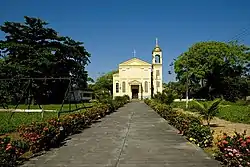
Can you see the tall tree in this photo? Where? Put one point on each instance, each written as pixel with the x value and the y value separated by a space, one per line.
pixel 177 87
pixel 105 82
pixel 33 50
pixel 210 63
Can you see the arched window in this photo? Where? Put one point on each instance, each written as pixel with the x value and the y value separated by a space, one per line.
pixel 157 59
pixel 123 87
pixel 146 86
pixel 117 87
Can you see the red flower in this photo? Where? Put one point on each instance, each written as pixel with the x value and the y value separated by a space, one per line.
pixel 8 147
pixel 225 142
pixel 45 128
pixel 248 140
pixel 243 144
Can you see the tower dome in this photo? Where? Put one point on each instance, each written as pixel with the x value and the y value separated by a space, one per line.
pixel 157 47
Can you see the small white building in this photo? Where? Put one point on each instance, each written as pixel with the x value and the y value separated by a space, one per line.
pixel 80 95
pixel 139 79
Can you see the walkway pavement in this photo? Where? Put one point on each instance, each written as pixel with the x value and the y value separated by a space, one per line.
pixel 135 136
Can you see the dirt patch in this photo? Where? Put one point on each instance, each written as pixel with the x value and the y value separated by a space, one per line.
pixel 221 126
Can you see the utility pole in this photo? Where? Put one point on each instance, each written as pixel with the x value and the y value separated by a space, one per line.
pixel 187 92
pixel 187 83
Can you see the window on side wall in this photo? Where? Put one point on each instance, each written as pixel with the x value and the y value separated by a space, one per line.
pixel 117 87
pixel 158 83
pixel 146 86
pixel 157 72
pixel 123 87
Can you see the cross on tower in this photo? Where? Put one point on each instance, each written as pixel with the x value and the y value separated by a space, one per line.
pixel 134 53
pixel 156 41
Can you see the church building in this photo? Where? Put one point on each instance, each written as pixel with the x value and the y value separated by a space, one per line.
pixel 139 79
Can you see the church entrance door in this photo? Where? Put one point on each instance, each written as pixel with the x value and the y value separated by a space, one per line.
pixel 135 91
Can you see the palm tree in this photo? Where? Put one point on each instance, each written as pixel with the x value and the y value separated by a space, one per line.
pixel 208 110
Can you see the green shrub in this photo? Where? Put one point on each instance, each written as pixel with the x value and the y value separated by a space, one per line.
pixel 182 105
pixel 208 110
pixel 187 124
pixel 200 135
pixel 164 97
pixel 10 151
pixel 45 135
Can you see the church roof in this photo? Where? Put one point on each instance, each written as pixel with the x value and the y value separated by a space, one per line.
pixel 134 61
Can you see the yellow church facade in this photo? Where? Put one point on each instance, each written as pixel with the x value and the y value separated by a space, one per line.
pixel 139 79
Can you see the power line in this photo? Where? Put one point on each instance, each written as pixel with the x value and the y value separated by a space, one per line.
pixel 243 33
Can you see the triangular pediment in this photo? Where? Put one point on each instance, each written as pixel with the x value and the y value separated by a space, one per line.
pixel 134 82
pixel 134 62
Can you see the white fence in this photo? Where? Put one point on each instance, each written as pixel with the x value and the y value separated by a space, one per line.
pixel 183 100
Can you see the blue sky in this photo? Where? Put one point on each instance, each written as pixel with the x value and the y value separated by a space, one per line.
pixel 111 29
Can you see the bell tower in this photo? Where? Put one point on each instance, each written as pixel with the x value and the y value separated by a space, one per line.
pixel 156 76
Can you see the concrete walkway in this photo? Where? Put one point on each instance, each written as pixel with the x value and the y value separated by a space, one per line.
pixel 135 136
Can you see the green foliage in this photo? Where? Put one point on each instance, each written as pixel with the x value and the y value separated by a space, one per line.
pixel 113 105
pixel 104 84
pixel 10 124
pixel 177 88
pixel 11 150
pixel 215 69
pixel 200 135
pixel 166 97
pixel 32 50
pixel 187 124
pixel 208 110
pixel 234 111
pixel 50 133
pixel 234 150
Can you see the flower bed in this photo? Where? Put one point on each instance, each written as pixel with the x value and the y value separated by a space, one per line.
pixel 41 136
pixel 187 124
pixel 234 150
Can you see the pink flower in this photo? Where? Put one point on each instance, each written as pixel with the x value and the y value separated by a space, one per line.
pixel 243 144
pixel 228 149
pixel 237 155
pixel 235 151
pixel 8 147
pixel 225 142
pixel 231 154
pixel 45 128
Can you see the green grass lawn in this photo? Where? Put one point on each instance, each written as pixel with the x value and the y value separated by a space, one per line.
pixel 9 125
pixel 234 112
pixel 47 107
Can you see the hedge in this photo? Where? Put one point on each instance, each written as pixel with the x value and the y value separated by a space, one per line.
pixel 42 136
pixel 188 125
